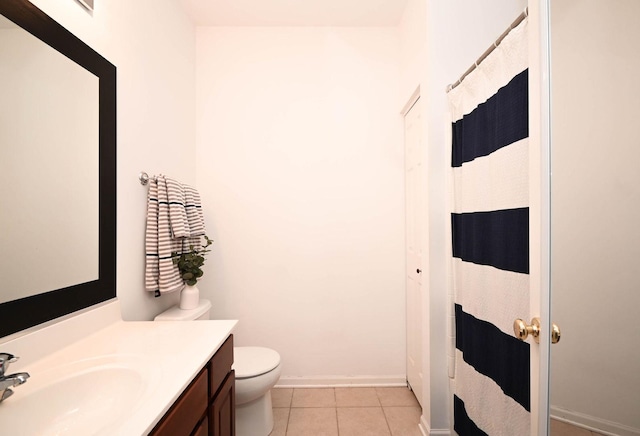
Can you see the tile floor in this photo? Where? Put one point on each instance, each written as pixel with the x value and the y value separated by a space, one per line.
pixel 559 428
pixel 345 411
pixel 359 412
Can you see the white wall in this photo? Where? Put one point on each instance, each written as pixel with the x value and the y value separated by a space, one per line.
pixel 300 163
pixel 458 32
pixel 595 213
pixel 413 47
pixel 153 46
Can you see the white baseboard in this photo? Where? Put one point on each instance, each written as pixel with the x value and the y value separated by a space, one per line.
pixel 440 432
pixel 423 430
pixel 592 423
pixel 340 381
pixel 427 431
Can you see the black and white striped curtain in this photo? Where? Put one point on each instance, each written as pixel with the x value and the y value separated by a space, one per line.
pixel 490 242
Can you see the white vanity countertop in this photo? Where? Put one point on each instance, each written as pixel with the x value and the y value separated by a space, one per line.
pixel 134 373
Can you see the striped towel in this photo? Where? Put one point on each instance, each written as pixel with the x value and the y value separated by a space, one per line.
pixel 195 219
pixel 174 223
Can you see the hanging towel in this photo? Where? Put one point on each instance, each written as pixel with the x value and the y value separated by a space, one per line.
pixel 177 212
pixel 490 242
pixel 170 228
pixel 195 218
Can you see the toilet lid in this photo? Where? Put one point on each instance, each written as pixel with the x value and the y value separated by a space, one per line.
pixel 254 361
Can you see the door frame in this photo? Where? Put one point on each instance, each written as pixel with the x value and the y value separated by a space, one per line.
pixel 540 208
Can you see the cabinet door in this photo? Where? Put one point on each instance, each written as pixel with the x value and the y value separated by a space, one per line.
pixel 223 409
pixel 184 415
pixel 203 428
pixel 220 366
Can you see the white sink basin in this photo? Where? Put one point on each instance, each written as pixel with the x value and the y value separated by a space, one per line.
pixel 70 399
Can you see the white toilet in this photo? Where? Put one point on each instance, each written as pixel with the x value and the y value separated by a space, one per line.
pixel 257 371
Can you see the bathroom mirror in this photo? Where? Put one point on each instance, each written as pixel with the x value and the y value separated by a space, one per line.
pixel 57 170
pixel 35 83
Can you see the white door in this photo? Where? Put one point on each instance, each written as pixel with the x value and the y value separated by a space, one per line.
pixel 414 205
pixel 595 214
pixel 539 205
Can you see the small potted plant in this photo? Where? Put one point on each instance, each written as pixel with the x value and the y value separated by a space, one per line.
pixel 190 264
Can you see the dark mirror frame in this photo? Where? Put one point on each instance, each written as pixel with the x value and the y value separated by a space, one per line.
pixel 28 312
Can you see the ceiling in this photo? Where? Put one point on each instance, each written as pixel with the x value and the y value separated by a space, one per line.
pixel 351 13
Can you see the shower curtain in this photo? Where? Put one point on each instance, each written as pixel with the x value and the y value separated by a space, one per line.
pixel 490 242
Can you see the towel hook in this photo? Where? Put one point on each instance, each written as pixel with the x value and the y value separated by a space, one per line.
pixel 144 178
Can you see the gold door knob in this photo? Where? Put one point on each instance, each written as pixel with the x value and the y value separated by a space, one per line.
pixel 522 330
pixel 555 334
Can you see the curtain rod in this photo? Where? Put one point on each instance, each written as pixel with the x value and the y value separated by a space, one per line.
pixel 495 45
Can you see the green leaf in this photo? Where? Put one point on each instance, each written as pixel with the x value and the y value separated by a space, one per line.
pixel 189 263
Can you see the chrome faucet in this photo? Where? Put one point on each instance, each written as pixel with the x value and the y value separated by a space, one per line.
pixel 12 380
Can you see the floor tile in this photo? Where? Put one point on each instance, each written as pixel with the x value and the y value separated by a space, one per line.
pixel 313 397
pixel 358 421
pixel 559 428
pixel 396 397
pixel 356 397
pixel 281 397
pixel 280 420
pixel 312 421
pixel 403 421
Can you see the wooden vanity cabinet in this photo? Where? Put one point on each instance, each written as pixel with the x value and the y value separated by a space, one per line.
pixel 207 405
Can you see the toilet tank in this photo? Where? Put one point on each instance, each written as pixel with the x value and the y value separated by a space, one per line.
pixel 203 311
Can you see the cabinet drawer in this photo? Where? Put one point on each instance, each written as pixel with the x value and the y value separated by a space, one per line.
pixel 184 415
pixel 220 366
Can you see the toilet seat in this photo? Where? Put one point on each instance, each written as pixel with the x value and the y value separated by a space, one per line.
pixel 254 361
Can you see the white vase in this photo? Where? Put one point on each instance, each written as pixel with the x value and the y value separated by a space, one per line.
pixel 189 297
